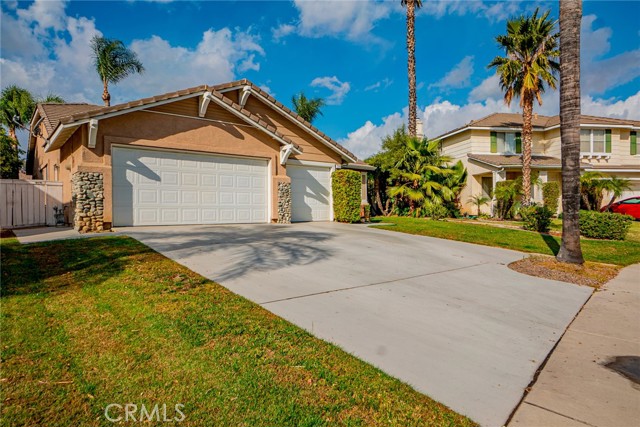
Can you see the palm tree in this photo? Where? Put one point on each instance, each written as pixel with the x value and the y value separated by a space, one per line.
pixel 570 18
pixel 16 109
pixel 411 6
pixel 307 108
pixel 616 186
pixel 478 200
pixel 531 49
pixel 113 63
pixel 417 174
pixel 51 98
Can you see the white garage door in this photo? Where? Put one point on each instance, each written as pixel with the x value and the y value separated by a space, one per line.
pixel 163 188
pixel 310 193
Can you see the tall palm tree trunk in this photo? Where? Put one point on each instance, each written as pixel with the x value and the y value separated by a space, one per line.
pixel 411 65
pixel 527 136
pixel 570 17
pixel 106 96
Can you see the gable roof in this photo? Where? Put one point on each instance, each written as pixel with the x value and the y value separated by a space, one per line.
pixel 540 123
pixel 295 117
pixel 52 113
pixel 65 125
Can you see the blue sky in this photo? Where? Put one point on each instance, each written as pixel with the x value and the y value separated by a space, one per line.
pixel 352 53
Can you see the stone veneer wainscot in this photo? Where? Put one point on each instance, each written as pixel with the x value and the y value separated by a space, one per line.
pixel 284 203
pixel 88 195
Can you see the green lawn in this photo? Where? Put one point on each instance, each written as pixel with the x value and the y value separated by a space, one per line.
pixel 90 322
pixel 612 252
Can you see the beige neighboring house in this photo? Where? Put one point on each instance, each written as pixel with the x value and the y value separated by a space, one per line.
pixel 490 148
pixel 220 154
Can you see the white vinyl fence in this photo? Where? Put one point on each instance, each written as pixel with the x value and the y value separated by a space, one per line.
pixel 28 203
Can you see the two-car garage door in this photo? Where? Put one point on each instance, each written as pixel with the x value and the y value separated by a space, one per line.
pixel 152 187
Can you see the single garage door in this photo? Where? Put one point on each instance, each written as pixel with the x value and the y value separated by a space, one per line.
pixel 310 193
pixel 152 187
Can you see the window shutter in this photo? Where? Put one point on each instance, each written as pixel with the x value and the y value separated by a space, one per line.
pixel 518 143
pixel 494 142
pixel 634 143
pixel 607 140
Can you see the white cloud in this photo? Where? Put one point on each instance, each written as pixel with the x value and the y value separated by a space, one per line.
pixel 458 77
pixel 600 75
pixel 45 14
pixel 489 88
pixel 353 20
pixel 215 59
pixel 440 8
pixel 46 51
pixel 624 109
pixel 338 89
pixel 382 84
pixel 282 31
pixel 366 140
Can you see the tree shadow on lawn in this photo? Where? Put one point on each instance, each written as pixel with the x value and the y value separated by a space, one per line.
pixel 551 242
pixel 234 251
pixel 60 265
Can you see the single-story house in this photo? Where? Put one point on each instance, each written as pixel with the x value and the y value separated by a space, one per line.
pixel 491 150
pixel 227 153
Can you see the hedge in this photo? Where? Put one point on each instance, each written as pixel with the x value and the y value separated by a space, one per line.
pixel 550 195
pixel 536 218
pixel 346 185
pixel 604 225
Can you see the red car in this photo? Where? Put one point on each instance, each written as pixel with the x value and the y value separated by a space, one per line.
pixel 630 206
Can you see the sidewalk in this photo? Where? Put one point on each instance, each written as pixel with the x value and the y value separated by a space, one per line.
pixel 575 388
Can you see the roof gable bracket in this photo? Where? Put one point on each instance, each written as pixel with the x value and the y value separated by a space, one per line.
pixel 246 91
pixel 286 151
pixel 93 132
pixel 204 103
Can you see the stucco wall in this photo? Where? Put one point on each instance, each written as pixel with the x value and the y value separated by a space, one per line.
pixel 176 126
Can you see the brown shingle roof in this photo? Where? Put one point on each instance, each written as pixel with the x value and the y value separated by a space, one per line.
pixel 137 103
pixel 170 95
pixel 515 160
pixel 511 120
pixel 52 113
pixel 95 110
pixel 271 99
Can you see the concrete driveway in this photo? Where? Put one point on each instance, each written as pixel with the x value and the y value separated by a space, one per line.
pixel 449 318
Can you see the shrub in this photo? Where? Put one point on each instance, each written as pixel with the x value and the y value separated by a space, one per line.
pixel 436 211
pixel 604 225
pixel 550 195
pixel 506 194
pixel 536 218
pixel 346 185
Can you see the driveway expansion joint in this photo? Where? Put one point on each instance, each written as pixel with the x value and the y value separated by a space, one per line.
pixel 373 284
pixel 560 414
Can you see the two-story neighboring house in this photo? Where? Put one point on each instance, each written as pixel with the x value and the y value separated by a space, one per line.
pixel 491 148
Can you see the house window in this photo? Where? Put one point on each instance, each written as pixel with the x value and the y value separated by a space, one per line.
pixel 592 141
pixel 506 142
pixel 487 186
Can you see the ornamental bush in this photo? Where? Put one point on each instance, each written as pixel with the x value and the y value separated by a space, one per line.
pixel 550 195
pixel 507 193
pixel 536 218
pixel 604 225
pixel 346 185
